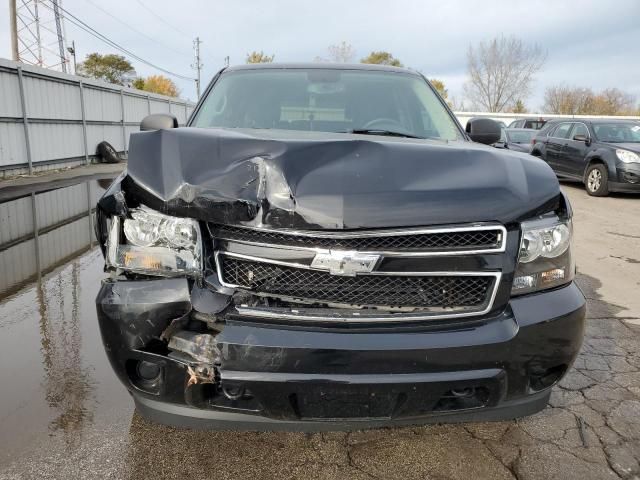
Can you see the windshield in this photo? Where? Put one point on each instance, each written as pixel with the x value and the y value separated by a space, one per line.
pixel 327 100
pixel 520 136
pixel 617 132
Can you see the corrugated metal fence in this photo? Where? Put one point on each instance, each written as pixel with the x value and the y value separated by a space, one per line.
pixel 40 231
pixel 51 120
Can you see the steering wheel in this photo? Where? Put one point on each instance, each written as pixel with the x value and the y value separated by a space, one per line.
pixel 383 124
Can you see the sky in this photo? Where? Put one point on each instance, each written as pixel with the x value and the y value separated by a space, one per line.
pixel 589 43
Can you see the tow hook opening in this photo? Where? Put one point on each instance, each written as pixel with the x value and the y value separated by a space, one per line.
pixel 463 398
pixel 545 378
pixel 234 392
pixel 145 375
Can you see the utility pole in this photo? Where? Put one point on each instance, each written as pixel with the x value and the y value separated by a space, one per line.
pixel 72 51
pixel 63 58
pixel 13 19
pixel 37 34
pixel 197 65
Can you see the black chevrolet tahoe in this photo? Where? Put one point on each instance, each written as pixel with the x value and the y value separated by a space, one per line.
pixel 324 247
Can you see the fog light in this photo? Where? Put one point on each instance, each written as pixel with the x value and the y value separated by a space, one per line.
pixel 147 371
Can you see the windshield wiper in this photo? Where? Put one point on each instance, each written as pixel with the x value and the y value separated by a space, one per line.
pixel 378 131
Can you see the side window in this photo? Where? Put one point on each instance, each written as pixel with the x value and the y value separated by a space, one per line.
pixel 562 131
pixel 580 129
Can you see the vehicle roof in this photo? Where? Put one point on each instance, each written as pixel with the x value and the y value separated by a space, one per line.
pixel 612 120
pixel 321 65
pixel 521 130
pixel 594 120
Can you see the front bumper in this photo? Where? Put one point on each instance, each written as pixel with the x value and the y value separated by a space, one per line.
pixel 284 377
pixel 627 179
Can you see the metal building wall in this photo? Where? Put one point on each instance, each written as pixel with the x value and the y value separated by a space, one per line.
pixel 66 116
pixel 40 231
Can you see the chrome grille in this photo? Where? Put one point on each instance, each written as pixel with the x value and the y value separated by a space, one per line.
pixel 452 240
pixel 460 293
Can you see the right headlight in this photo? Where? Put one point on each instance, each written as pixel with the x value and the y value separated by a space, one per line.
pixel 627 157
pixel 545 259
pixel 151 243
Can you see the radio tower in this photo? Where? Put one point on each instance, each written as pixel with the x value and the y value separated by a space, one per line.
pixel 37 36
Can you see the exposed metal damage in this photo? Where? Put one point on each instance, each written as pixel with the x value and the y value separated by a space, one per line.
pixel 310 182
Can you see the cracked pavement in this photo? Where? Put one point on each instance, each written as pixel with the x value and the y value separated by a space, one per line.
pixel 590 430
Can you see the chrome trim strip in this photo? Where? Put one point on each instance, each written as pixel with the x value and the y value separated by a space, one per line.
pixel 355 315
pixel 382 233
pixel 384 274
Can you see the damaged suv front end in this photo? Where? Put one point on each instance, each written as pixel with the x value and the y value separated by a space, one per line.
pixel 314 268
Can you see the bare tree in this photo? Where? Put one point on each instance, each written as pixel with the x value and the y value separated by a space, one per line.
pixel 458 106
pixel 565 100
pixel 614 101
pixel 501 72
pixel 343 52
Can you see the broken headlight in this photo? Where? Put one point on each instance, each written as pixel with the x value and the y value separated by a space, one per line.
pixel 545 259
pixel 155 244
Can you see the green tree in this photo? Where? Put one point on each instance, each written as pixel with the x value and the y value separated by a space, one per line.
pixel 439 86
pixel 519 107
pixel 382 58
pixel 259 57
pixel 110 68
pixel 138 83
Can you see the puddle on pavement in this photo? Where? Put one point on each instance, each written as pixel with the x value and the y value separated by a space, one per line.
pixel 54 372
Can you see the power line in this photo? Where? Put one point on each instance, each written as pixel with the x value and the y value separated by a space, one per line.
pixel 90 30
pixel 152 12
pixel 106 12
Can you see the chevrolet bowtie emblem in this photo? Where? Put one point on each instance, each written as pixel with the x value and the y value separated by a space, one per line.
pixel 345 262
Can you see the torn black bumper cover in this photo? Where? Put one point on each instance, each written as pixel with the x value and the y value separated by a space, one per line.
pixel 278 377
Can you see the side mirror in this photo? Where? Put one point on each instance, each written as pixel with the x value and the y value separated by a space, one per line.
pixel 158 121
pixel 582 138
pixel 483 130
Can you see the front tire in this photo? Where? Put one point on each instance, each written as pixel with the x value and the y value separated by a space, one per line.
pixel 597 180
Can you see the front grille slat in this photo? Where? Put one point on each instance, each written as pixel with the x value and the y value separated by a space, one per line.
pixel 419 241
pixel 430 291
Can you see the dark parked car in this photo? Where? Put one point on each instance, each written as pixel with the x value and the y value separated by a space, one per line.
pixel 534 123
pixel 324 247
pixel 516 139
pixel 603 154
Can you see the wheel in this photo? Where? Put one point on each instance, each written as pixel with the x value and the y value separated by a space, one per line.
pixel 597 180
pixel 107 153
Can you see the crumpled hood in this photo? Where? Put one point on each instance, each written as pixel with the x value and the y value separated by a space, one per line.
pixel 307 180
